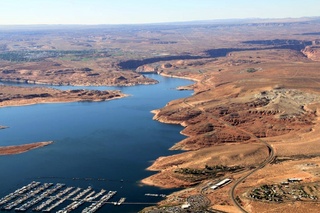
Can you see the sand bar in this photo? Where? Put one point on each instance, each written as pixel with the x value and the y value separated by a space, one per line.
pixel 12 150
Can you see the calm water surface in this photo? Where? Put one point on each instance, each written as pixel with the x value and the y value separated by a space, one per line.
pixel 114 140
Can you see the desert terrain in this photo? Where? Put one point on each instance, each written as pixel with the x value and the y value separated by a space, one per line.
pixel 275 107
pixel 253 117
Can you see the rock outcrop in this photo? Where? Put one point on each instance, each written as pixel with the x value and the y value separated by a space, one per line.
pixel 146 69
pixel 267 114
pixel 312 52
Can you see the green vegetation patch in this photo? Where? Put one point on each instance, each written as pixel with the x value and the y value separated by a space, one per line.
pixel 286 191
pixel 252 70
pixel 192 174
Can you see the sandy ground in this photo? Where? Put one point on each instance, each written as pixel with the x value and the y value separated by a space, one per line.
pixel 12 150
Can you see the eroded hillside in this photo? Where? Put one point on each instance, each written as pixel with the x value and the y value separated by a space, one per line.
pixel 240 103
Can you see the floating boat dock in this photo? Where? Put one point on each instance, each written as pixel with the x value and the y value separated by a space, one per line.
pixel 97 205
pixel 48 197
pixel 120 201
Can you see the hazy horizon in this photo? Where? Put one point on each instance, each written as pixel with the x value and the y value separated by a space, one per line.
pixel 109 12
pixel 212 21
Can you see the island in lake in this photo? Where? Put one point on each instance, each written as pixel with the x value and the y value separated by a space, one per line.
pixel 254 111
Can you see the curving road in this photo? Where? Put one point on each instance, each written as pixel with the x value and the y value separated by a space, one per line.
pixel 268 160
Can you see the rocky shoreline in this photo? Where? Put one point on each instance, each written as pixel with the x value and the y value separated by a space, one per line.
pixel 18 96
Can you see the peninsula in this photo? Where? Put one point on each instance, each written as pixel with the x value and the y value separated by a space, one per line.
pixel 18 96
pixel 12 150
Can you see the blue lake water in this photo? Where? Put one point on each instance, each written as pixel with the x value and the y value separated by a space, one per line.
pixel 114 140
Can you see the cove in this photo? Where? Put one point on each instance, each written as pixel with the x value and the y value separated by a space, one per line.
pixel 114 140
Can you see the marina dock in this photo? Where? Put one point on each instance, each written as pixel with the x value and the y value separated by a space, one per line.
pixel 27 196
pixel 48 197
pixel 18 192
pixel 36 200
pixel 97 205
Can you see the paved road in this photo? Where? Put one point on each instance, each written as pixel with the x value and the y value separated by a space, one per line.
pixel 268 160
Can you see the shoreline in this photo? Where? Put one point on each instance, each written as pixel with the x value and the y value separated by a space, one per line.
pixel 148 181
pixel 181 77
pixel 156 118
pixel 13 150
pixel 21 96
pixel 58 101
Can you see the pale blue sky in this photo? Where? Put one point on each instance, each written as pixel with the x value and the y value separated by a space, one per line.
pixel 148 11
